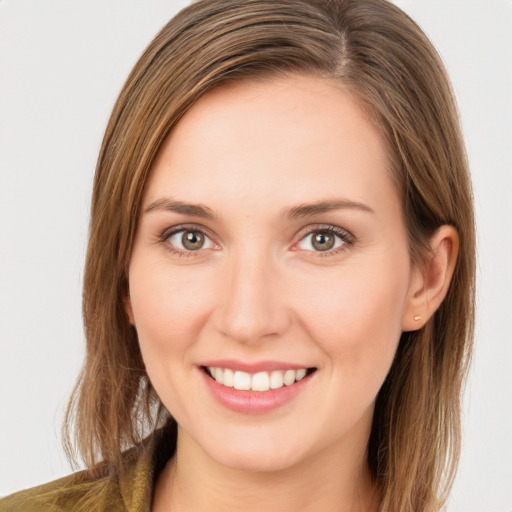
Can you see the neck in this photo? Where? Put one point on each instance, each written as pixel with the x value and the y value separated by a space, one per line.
pixel 194 481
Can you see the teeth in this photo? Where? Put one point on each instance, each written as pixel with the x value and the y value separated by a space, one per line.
pixel 227 378
pixel 219 375
pixel 289 377
pixel 261 381
pixel 300 374
pixel 242 381
pixel 276 380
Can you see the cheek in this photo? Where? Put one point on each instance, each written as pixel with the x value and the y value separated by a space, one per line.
pixel 168 308
pixel 357 319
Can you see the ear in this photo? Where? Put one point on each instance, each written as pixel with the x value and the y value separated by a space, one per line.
pixel 128 308
pixel 429 284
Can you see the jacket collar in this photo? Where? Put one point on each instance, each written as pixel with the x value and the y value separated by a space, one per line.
pixel 142 466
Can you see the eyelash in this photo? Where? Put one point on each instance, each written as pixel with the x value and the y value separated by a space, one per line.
pixel 168 233
pixel 346 238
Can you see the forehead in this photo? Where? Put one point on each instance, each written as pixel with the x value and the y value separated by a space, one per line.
pixel 291 138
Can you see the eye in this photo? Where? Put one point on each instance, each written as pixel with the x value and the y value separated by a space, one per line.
pixel 188 240
pixel 326 239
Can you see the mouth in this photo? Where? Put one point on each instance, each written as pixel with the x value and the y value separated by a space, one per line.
pixel 262 381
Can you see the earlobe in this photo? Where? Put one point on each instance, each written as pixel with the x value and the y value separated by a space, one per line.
pixel 430 284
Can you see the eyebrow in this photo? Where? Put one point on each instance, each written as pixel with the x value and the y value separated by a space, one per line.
pixel 170 205
pixel 310 209
pixel 297 212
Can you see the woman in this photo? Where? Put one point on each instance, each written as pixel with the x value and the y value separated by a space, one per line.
pixel 280 270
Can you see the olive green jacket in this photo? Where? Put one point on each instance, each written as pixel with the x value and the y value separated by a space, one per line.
pixel 132 491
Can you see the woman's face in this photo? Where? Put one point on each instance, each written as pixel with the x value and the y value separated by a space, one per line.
pixel 271 248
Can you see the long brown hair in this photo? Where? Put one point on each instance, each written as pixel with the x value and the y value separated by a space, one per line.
pixel 378 54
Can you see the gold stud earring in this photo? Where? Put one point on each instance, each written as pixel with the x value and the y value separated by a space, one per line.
pixel 417 317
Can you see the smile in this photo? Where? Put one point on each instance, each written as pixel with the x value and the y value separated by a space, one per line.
pixel 261 389
pixel 260 381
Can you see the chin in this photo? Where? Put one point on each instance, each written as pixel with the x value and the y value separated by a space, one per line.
pixel 256 461
pixel 258 453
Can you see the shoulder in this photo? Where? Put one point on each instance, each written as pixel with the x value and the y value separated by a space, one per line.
pixel 65 494
pixel 131 489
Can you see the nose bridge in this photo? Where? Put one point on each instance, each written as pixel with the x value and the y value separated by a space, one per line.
pixel 252 305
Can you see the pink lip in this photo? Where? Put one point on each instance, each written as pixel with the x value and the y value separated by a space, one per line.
pixel 253 402
pixel 260 366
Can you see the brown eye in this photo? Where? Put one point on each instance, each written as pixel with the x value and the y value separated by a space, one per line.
pixel 189 240
pixel 322 241
pixel 325 240
pixel 192 240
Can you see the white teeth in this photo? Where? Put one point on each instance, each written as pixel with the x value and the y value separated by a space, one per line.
pixel 276 380
pixel 300 374
pixel 242 381
pixel 228 378
pixel 289 377
pixel 261 381
pixel 219 375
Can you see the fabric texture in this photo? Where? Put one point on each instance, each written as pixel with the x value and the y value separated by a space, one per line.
pixel 131 491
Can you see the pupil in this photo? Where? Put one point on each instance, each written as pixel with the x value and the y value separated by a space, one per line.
pixel 192 240
pixel 323 241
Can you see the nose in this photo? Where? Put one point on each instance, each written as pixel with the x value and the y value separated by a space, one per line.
pixel 252 304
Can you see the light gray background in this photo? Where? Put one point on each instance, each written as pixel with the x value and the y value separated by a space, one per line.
pixel 62 64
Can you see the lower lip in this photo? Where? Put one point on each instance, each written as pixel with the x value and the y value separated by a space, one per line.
pixel 254 402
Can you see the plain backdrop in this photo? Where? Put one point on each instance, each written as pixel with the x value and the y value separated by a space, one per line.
pixel 62 64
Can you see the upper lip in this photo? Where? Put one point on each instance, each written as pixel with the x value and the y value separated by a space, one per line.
pixel 254 367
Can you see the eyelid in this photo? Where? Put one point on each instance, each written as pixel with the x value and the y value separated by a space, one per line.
pixel 170 231
pixel 347 237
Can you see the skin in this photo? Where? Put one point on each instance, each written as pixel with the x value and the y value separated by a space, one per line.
pixel 259 290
